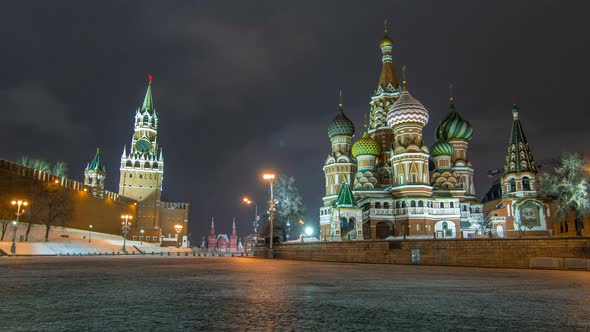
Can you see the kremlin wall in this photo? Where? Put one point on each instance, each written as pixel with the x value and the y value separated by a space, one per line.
pixel 104 214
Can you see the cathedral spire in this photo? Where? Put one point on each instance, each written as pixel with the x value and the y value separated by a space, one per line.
pixel 388 78
pixel 212 231
pixel 96 163
pixel 148 103
pixel 233 227
pixel 345 197
pixel 518 156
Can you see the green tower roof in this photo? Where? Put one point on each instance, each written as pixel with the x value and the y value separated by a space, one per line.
pixel 96 163
pixel 518 156
pixel 345 197
pixel 148 102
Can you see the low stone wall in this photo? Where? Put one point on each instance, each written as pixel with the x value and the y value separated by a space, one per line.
pixel 507 253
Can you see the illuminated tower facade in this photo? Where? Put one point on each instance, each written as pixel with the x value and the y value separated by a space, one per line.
pixel 520 169
pixel 340 165
pixel 386 93
pixel 458 132
pixel 142 167
pixel 94 176
pixel 409 160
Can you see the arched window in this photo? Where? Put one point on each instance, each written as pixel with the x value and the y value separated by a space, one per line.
pixel 146 165
pixel 146 119
pixel 526 184
pixel 128 163
pixel 413 204
pixel 404 204
pixel 130 175
pixel 445 225
pixel 420 204
pixel 386 205
pixel 451 205
pixel 512 185
pixel 465 208
pixel 377 205
pixel 397 205
pixel 476 210
pixel 136 164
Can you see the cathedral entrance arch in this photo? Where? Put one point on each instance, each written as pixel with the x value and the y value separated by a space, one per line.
pixel 348 228
pixel 385 229
pixel 445 230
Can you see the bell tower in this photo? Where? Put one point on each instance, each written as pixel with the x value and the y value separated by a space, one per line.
pixel 142 169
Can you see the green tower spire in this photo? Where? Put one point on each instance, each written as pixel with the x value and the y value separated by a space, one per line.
pixel 96 163
pixel 518 156
pixel 345 197
pixel 148 103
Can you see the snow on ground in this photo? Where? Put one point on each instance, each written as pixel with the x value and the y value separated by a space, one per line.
pixel 69 241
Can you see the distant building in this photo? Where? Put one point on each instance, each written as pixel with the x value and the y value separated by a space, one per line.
pixel 223 242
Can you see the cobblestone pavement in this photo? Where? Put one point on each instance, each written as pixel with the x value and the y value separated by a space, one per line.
pixel 227 294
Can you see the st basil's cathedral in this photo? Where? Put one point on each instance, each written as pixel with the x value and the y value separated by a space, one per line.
pixel 382 186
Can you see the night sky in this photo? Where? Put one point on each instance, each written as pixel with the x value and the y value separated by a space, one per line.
pixel 242 87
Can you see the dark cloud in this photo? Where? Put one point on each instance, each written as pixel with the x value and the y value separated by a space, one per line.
pixel 242 87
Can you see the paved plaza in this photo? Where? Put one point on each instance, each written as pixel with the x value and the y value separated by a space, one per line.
pixel 226 294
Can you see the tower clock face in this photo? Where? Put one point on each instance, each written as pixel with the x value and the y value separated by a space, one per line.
pixel 143 145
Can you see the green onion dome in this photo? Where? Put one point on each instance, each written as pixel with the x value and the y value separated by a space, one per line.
pixel 366 146
pixel 441 148
pixel 453 126
pixel 341 125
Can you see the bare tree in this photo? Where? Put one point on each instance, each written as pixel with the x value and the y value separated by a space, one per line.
pixel 52 205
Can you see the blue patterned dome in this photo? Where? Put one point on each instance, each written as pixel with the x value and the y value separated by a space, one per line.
pixel 341 125
pixel 441 148
pixel 454 127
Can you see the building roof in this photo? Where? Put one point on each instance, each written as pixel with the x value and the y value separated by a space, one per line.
pixel 518 155
pixel 96 163
pixel 341 125
pixel 366 146
pixel 453 126
pixel 345 197
pixel 407 109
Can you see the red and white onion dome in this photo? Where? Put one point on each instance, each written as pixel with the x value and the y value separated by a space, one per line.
pixel 407 110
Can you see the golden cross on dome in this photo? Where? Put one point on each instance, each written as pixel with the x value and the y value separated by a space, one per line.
pixel 340 100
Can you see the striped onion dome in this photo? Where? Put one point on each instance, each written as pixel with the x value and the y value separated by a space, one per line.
pixel 341 125
pixel 441 148
pixel 366 146
pixel 453 126
pixel 407 109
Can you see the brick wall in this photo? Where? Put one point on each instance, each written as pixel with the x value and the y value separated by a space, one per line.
pixel 509 253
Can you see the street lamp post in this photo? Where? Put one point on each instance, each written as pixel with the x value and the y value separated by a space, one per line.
pixel 141 237
pixel 126 225
pixel 271 205
pixel 90 234
pixel 178 229
pixel 255 224
pixel 19 212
